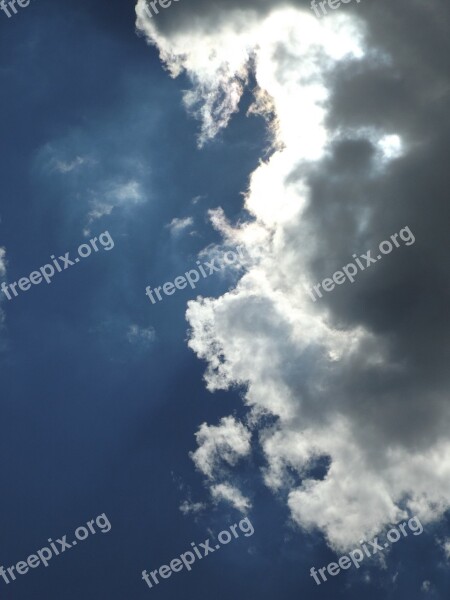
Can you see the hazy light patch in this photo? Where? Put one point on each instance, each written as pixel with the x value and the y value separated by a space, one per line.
pixel 66 167
pixel 391 146
pixel 140 335
pixel 176 226
pixel 2 261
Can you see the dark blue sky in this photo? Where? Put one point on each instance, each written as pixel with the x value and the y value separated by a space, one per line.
pixel 91 420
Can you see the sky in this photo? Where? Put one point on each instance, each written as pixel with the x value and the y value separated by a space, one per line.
pixel 298 390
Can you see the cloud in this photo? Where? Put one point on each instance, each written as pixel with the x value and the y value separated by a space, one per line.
pixel 197 199
pixel 141 336
pixel 3 262
pixel 359 380
pixel 3 265
pixel 99 209
pixel 220 447
pixel 111 195
pixel 126 192
pixel 230 494
pixel 176 226
pixel 226 443
pixel 201 15
pixel 445 544
pixel 67 167
pixel 54 158
pixel 188 507
pixel 98 174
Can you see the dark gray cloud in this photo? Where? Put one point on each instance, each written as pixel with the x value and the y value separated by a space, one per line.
pixel 404 298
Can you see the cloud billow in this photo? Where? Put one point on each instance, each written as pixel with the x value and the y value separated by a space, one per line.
pixel 361 138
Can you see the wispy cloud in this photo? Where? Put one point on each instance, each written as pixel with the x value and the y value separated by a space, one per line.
pixel 176 226
pixel 66 167
pixel 226 492
pixel 189 508
pixel 2 261
pixel 113 194
pixel 141 336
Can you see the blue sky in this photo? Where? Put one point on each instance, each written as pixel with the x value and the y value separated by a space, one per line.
pixel 104 394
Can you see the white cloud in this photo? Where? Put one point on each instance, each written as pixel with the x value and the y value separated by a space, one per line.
pixel 230 494
pixel 293 358
pixel 188 508
pixel 219 447
pixel 176 226
pixel 227 443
